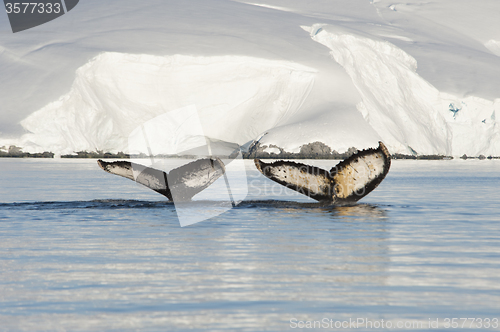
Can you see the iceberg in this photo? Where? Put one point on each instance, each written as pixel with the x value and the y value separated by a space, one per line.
pixel 235 98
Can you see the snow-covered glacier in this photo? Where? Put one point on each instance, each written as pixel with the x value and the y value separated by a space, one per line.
pixel 235 97
pixel 289 73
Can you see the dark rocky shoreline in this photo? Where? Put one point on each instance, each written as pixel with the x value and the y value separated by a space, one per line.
pixel 16 152
pixel 316 150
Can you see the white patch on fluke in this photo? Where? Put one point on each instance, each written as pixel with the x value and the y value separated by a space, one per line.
pixel 354 177
pixel 300 177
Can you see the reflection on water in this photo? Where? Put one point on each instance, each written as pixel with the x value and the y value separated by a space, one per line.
pixel 354 210
pixel 81 254
pixel 359 210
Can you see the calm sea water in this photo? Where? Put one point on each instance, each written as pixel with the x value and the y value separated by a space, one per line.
pixel 83 250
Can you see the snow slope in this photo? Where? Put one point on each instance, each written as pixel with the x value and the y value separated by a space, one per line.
pixel 343 72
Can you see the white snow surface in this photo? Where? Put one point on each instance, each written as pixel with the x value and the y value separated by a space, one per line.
pixel 235 98
pixel 421 76
pixel 493 46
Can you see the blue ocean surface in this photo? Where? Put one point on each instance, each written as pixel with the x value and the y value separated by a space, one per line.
pixel 83 250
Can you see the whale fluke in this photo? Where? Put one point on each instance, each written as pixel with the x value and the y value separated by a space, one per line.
pixel 348 182
pixel 180 184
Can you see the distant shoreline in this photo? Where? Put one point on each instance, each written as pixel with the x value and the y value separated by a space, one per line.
pixel 121 155
pixel 316 150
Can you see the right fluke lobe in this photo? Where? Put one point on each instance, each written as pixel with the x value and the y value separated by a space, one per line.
pixel 349 181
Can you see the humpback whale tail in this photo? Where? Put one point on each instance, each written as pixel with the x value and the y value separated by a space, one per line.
pixel 180 184
pixel 348 182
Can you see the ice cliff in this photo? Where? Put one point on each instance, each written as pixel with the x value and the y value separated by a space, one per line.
pixel 408 112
